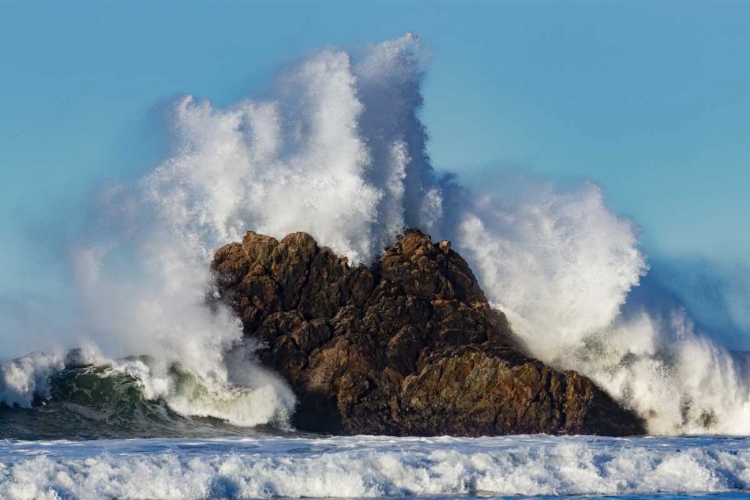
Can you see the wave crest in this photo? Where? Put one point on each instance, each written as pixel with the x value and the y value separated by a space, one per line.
pixel 139 394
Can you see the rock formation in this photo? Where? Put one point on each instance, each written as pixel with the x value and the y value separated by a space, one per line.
pixel 409 346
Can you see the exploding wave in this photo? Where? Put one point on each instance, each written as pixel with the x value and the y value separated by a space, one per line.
pixel 337 149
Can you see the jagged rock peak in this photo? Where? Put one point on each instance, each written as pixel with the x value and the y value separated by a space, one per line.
pixel 408 346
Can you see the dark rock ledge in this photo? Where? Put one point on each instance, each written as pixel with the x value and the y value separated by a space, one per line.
pixel 407 347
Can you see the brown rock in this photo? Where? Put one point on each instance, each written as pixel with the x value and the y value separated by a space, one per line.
pixel 408 347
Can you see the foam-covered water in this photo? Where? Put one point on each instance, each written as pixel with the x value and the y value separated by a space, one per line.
pixel 357 467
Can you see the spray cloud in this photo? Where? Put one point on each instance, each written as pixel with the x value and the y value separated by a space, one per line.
pixel 338 150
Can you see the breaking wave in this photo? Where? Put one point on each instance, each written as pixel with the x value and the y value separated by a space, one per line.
pixel 337 149
pixel 85 395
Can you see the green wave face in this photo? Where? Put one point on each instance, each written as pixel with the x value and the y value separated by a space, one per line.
pixel 100 401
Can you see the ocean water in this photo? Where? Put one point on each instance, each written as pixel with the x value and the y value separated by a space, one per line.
pixel 376 467
pixel 96 432
pixel 163 396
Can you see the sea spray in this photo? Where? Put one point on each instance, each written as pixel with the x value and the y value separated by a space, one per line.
pixel 337 149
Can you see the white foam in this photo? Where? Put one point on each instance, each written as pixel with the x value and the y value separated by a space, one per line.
pixel 561 265
pixel 369 467
pixel 23 378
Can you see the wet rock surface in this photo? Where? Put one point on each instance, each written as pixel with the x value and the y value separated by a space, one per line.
pixel 409 346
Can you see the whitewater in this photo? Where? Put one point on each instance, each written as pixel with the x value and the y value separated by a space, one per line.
pixel 157 393
pixel 375 467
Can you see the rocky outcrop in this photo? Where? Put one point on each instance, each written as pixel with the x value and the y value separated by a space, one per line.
pixel 407 347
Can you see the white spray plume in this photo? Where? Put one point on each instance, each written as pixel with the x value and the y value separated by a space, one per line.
pixel 338 150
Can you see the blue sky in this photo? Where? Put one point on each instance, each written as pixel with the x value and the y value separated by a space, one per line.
pixel 647 98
